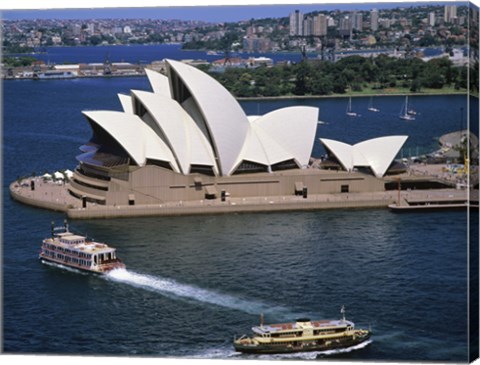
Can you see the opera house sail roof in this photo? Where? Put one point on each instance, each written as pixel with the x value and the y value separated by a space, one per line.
pixel 376 154
pixel 191 123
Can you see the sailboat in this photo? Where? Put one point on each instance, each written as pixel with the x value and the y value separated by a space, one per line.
pixel 404 113
pixel 349 109
pixel 371 108
pixel 411 111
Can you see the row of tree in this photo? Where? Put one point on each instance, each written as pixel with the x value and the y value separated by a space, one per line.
pixel 355 73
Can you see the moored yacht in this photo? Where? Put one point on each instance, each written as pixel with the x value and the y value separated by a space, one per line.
pixel 406 113
pixel 68 249
pixel 349 111
pixel 371 108
pixel 301 336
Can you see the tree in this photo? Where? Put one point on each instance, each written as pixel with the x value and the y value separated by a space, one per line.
pixel 433 79
pixel 303 72
pixel 339 85
pixel 416 86
pixel 322 86
pixel 95 40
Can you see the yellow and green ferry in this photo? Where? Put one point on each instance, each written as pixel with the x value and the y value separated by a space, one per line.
pixel 301 336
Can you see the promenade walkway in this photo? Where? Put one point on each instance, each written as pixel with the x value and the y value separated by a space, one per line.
pixel 50 195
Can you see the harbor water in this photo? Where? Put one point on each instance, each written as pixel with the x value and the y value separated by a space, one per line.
pixel 192 283
pixel 143 54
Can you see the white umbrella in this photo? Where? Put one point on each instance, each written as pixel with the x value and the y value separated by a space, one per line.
pixel 68 174
pixel 58 175
pixel 47 176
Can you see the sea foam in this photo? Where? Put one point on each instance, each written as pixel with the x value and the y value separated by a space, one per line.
pixel 166 286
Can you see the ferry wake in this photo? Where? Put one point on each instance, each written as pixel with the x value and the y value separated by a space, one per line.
pixel 75 251
pixel 301 336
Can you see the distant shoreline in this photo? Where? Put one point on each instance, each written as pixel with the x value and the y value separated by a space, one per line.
pixel 281 97
pixel 346 95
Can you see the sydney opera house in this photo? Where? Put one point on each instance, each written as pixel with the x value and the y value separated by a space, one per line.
pixel 189 140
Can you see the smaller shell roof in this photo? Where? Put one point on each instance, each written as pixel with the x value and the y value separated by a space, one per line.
pixel 126 102
pixel 342 151
pixel 159 83
pixel 380 152
pixel 376 153
pixel 128 130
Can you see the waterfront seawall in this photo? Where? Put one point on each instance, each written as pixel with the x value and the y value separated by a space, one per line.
pixel 229 207
pixel 56 197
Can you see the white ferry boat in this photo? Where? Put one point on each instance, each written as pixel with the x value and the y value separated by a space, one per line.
pixel 301 336
pixel 68 249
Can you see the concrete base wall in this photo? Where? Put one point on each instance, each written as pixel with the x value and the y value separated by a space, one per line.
pixel 56 197
pixel 156 185
pixel 197 208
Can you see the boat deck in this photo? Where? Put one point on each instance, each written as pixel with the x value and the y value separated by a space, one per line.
pixel 272 328
pixel 86 246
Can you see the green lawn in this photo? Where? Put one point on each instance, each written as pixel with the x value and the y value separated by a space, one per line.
pixel 403 90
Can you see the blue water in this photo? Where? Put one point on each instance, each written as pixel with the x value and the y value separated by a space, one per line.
pixel 144 54
pixel 193 282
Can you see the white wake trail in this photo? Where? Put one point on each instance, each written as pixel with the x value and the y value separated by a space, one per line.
pixel 167 286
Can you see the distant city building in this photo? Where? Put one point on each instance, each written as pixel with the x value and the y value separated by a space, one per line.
pixel 431 19
pixel 404 22
pixel 320 25
pixel 76 29
pixel 250 31
pixel 450 14
pixel 308 26
pixel 385 23
pixel 374 20
pixel 296 23
pixel 255 44
pixel 357 21
pixel 345 26
pixel 56 40
pixel 90 28
pixel 127 29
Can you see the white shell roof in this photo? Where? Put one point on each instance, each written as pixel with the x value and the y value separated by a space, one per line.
pixel 128 130
pixel 261 148
pixel 380 152
pixel 159 83
pixel 181 133
pixel 281 135
pixel 208 128
pixel 376 153
pixel 126 102
pixel 342 151
pixel 226 120
pixel 293 128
